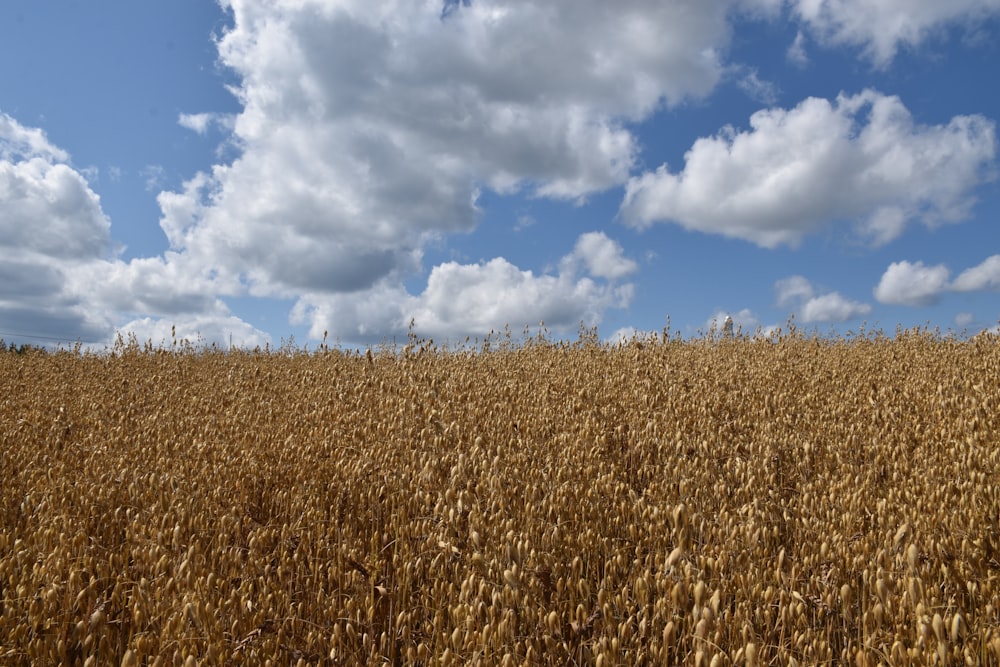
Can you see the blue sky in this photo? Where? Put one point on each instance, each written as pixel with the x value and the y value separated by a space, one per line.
pixel 254 170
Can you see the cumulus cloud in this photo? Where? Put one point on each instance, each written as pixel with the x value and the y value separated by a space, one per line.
pixel 477 298
pixel 798 292
pixel 603 257
pixel 474 299
pixel 985 276
pixel 832 307
pixel 912 284
pixel 364 137
pixel 153 286
pixel 793 290
pixel 20 142
pixel 202 122
pixel 786 176
pixel 882 28
pixel 368 130
pixel 48 207
pixel 60 274
pixel 197 122
pixel 51 224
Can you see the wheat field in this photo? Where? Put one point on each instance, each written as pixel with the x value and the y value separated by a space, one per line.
pixel 803 500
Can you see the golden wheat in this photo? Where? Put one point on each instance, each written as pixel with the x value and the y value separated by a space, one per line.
pixel 799 501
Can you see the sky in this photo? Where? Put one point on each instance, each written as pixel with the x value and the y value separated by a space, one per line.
pixel 274 172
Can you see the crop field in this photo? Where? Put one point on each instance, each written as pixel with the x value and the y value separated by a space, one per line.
pixel 703 502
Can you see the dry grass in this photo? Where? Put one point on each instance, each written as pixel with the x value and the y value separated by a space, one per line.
pixel 711 503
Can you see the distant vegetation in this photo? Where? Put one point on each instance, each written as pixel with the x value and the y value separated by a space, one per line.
pixel 707 502
pixel 18 349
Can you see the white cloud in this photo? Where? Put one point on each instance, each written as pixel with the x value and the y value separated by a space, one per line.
pixel 793 289
pixel 201 122
pixel 368 128
pixel 153 286
pixel 474 299
pixel 50 209
pixel 912 284
pixel 18 142
pixel 60 278
pixel 757 89
pixel 197 122
pixel 786 176
pixel 798 292
pixel 603 257
pixel 964 319
pixel 51 224
pixel 985 276
pixel 885 224
pixel 371 316
pixel 881 28
pixel 832 307
pixel 480 297
pixel 796 53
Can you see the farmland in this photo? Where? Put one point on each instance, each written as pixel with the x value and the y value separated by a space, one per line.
pixel 799 501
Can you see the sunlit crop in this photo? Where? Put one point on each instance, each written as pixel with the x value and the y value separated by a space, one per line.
pixel 708 502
